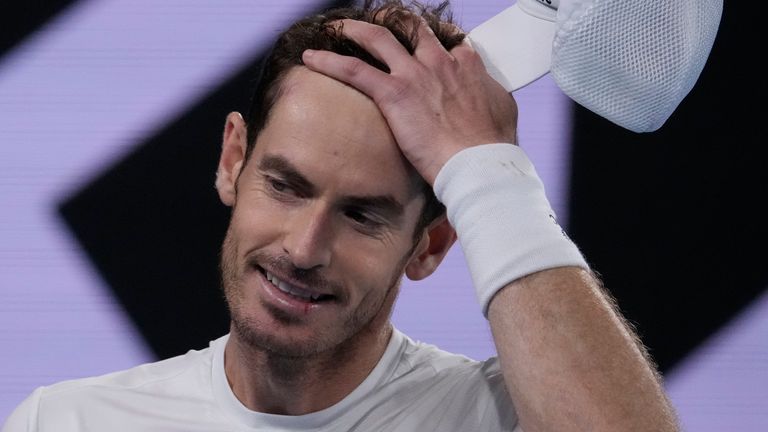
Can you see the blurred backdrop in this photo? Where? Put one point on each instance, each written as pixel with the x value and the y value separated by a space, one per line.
pixel 111 115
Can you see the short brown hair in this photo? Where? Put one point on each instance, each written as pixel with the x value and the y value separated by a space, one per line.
pixel 318 33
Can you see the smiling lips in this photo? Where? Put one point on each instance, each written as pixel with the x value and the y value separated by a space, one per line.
pixel 295 291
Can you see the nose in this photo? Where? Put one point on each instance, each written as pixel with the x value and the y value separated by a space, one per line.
pixel 307 237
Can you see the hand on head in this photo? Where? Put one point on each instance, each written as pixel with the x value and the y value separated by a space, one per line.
pixel 436 102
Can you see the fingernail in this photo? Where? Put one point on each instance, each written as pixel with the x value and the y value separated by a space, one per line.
pixel 309 53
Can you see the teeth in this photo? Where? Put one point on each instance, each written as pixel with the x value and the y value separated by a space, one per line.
pixel 290 289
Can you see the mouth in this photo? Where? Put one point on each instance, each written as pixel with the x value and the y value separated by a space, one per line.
pixel 294 291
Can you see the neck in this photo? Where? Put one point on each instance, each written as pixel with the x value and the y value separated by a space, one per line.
pixel 269 383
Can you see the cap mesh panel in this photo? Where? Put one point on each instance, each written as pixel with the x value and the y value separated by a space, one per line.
pixel 633 64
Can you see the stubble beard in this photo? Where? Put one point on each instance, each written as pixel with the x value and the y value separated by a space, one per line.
pixel 286 356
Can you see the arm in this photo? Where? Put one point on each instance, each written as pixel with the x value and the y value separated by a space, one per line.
pixel 568 360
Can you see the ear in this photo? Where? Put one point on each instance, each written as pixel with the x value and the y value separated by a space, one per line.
pixel 432 248
pixel 232 158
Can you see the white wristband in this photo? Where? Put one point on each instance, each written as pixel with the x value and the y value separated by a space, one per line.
pixel 506 227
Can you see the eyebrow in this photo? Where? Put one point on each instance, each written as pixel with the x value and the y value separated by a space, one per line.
pixel 289 173
pixel 387 205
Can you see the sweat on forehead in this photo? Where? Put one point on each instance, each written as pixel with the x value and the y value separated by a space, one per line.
pixel 300 83
pixel 319 107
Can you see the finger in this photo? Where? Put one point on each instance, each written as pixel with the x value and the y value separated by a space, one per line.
pixel 466 55
pixel 379 42
pixel 429 50
pixel 350 70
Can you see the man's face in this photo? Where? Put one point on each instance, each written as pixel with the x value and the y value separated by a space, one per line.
pixel 322 224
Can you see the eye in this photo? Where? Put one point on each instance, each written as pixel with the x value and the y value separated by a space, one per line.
pixel 277 185
pixel 362 218
pixel 356 216
pixel 279 188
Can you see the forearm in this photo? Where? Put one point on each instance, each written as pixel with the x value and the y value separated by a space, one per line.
pixel 569 360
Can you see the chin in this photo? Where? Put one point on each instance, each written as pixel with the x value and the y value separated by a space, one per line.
pixel 285 335
pixel 283 340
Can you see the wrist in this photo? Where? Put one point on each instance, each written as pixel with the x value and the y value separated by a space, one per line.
pixel 506 227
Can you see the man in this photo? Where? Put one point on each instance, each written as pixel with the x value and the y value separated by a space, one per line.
pixel 330 183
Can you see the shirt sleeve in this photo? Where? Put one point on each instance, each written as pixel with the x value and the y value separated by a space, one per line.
pixel 24 417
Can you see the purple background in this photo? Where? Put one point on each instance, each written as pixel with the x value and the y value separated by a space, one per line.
pixel 104 75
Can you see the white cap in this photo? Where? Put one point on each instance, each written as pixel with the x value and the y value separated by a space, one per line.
pixel 629 61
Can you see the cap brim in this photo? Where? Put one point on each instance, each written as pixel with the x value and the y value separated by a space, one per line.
pixel 516 47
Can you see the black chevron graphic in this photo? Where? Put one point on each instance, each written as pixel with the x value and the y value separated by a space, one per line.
pixel 19 19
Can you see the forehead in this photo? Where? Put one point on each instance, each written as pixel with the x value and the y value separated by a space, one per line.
pixel 334 133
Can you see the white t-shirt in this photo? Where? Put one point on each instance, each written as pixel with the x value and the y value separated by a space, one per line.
pixel 414 387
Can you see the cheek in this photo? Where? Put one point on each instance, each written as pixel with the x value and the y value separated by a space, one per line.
pixel 254 218
pixel 369 266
